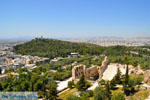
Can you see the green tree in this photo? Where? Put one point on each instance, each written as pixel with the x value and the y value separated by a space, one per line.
pixel 38 86
pixel 1 87
pixel 128 85
pixel 51 89
pixel 99 93
pixel 131 86
pixel 101 82
pixel 107 91
pixel 125 83
pixel 82 84
pixel 40 94
pixel 127 75
pixel 113 83
pixel 138 79
pixel 90 92
pixel 85 96
pixel 70 84
pixel 98 96
pixel 118 76
pixel 118 96
pixel 25 86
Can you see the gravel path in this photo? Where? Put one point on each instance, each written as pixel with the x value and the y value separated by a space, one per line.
pixel 63 84
pixel 93 86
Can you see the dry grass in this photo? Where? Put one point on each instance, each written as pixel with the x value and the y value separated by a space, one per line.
pixel 92 98
pixel 140 95
pixel 65 94
pixel 119 90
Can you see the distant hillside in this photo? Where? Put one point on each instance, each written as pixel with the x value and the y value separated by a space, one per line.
pixel 113 41
pixel 52 48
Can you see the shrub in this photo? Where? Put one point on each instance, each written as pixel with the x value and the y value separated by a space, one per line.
pixel 118 96
pixel 84 95
pixel 138 79
pixel 70 84
pixel 90 92
pixel 72 97
pixel 99 93
pixel 98 96
pixel 102 82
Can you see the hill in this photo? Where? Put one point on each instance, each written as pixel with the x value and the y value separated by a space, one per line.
pixel 52 48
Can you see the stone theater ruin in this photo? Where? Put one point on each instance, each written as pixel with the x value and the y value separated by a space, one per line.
pixel 94 71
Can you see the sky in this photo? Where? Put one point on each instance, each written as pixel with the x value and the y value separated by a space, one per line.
pixel 74 18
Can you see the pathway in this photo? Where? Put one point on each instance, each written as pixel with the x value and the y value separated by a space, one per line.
pixel 63 84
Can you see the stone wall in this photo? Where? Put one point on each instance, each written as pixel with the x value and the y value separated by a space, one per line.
pixel 103 67
pixel 78 71
pixel 93 71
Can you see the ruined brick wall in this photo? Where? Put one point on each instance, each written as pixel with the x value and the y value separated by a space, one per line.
pixel 103 67
pixel 77 71
pixel 93 71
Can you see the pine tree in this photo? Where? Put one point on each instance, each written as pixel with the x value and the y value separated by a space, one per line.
pixel 107 91
pixel 1 87
pixel 113 83
pixel 125 84
pixel 70 84
pixel 82 84
pixel 118 76
pixel 51 92
pixel 127 75
pixel 116 79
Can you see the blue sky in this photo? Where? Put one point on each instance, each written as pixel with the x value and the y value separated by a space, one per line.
pixel 74 18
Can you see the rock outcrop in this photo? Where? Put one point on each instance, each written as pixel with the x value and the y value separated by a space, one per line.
pixel 147 77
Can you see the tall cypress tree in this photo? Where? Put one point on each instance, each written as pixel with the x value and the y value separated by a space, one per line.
pixel 126 82
pixel 127 75
pixel 118 76
pixel 107 91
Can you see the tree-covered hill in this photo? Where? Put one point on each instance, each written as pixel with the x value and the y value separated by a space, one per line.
pixel 52 48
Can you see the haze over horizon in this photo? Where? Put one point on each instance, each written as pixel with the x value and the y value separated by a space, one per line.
pixel 74 18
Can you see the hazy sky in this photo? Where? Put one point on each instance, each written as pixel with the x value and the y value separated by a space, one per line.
pixel 74 18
